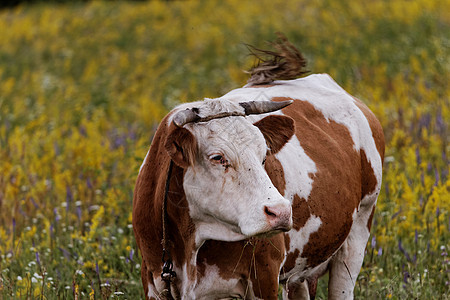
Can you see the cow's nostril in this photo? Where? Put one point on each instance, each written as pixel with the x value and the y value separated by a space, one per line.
pixel 269 212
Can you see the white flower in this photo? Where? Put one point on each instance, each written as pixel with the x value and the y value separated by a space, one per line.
pixel 94 207
pixel 19 278
pixel 34 280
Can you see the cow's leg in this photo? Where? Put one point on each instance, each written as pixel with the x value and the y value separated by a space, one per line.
pixel 346 263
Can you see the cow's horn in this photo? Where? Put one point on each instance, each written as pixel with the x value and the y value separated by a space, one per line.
pixel 261 107
pixel 186 116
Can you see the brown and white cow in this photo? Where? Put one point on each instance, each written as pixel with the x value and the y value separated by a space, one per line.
pixel 238 178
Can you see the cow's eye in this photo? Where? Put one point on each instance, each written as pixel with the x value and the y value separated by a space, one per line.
pixel 217 157
pixel 220 160
pixel 264 160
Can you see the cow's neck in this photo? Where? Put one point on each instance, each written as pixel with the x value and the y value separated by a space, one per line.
pixel 180 229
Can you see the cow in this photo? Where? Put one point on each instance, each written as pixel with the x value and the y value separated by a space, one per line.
pixel 271 185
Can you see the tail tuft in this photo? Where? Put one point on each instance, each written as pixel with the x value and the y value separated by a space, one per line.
pixel 286 62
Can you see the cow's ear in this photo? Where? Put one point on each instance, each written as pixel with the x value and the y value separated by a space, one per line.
pixel 277 130
pixel 181 146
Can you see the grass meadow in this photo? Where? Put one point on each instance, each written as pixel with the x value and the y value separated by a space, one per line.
pixel 83 87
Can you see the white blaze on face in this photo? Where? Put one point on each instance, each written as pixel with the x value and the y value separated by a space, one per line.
pixel 229 193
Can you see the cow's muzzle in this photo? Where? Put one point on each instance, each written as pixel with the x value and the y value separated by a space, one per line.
pixel 279 217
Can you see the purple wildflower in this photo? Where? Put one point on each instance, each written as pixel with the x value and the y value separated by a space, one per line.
pixel 57 216
pixel 440 124
pixel 436 176
pixel 69 197
pixel 395 214
pixel 131 254
pixel 418 158
pixel 34 202
pixel 65 253
pixel 405 276
pixel 373 243
pixel 83 131
pixel 89 183
pixel 380 251
pixel 37 259
pixel 79 213
pixel 402 250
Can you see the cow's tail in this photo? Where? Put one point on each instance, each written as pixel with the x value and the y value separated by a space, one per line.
pixel 286 62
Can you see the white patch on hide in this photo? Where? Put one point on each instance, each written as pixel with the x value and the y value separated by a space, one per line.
pixel 298 240
pixel 213 286
pixel 143 163
pixel 297 168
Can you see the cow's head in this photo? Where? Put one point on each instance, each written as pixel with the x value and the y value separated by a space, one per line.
pixel 230 195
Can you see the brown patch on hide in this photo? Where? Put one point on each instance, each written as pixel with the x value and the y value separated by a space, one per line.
pixel 369 221
pixel 277 130
pixel 300 211
pixel 369 182
pixel 290 260
pixel 291 257
pixel 336 188
pixel 276 174
pixel 147 210
pixel 256 259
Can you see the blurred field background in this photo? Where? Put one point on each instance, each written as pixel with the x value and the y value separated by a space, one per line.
pixel 83 87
